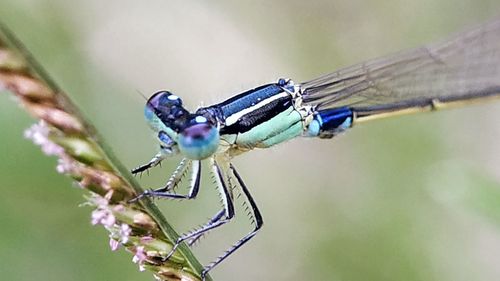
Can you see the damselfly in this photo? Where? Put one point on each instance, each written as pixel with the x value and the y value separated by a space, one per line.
pixel 455 72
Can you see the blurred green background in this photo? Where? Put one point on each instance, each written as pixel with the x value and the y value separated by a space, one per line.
pixel 409 198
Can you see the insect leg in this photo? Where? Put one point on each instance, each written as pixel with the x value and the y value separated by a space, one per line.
pixel 228 212
pixel 257 220
pixel 152 163
pixel 174 180
pixel 165 151
pixel 217 217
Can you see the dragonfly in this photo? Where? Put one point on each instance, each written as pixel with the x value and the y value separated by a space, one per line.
pixel 458 71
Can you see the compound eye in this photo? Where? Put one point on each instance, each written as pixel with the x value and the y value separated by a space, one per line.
pixel 199 139
pixel 164 100
pixel 165 107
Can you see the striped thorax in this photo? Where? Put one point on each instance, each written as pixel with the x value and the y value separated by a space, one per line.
pixel 261 117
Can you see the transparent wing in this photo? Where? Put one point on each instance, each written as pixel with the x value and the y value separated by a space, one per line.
pixel 464 67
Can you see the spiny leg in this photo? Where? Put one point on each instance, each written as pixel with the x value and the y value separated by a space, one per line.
pixel 156 160
pixel 166 149
pixel 179 173
pixel 228 212
pixel 174 180
pixel 215 218
pixel 258 224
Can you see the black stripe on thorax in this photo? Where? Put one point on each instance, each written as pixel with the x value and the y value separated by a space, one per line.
pixel 258 116
pixel 248 98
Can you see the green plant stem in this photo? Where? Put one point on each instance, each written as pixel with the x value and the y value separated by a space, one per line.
pixel 141 228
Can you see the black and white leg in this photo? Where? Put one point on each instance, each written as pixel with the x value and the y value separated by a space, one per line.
pixel 156 160
pixel 178 174
pixel 258 222
pixel 214 219
pixel 222 217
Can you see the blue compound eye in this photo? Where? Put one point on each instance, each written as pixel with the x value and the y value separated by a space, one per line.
pixel 164 100
pixel 162 103
pixel 199 139
pixel 166 107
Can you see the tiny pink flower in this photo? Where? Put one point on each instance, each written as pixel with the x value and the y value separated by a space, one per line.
pixel 64 165
pixel 104 217
pixel 146 239
pixel 140 257
pixel 124 233
pixel 39 133
pixel 100 202
pixel 51 148
pixel 119 208
pixel 114 244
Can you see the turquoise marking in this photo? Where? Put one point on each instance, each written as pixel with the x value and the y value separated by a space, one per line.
pixel 271 128
pixel 346 124
pixel 288 134
pixel 157 125
pixel 153 120
pixel 314 128
pixel 229 138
